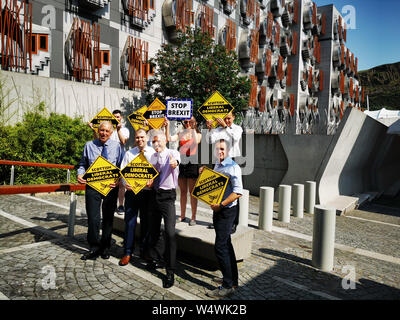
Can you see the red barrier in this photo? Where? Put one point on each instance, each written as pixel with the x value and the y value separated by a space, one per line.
pixel 40 188
pixel 35 164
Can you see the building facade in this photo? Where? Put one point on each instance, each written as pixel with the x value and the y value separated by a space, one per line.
pixel 295 53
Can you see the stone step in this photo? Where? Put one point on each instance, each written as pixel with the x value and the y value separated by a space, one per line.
pixel 198 241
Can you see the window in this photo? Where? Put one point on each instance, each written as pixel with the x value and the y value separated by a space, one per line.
pixel 34 43
pixel 106 57
pixel 151 69
pixel 43 42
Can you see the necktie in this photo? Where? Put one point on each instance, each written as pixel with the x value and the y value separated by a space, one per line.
pixel 104 152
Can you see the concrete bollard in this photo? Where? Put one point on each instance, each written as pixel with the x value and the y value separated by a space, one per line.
pixel 244 208
pixel 266 208
pixel 323 242
pixel 72 214
pixel 285 197
pixel 309 196
pixel 298 200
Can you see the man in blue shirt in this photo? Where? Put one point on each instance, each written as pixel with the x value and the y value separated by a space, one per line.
pixel 224 215
pixel 114 153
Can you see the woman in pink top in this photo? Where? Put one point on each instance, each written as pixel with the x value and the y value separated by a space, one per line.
pixel 188 139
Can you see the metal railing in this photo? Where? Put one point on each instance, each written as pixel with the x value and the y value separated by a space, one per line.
pixel 35 164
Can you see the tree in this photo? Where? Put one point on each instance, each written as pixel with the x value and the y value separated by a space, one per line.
pixel 193 68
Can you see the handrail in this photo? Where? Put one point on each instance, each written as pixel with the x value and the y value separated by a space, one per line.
pixel 39 188
pixel 36 164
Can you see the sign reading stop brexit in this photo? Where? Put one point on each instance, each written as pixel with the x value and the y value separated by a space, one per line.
pixel 155 114
pixel 179 109
pixel 210 186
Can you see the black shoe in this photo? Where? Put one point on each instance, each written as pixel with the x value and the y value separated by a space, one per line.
pixel 233 229
pixel 210 226
pixel 120 210
pixel 153 265
pixel 91 255
pixel 105 254
pixel 169 280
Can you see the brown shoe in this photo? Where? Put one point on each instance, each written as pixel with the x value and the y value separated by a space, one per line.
pixel 124 260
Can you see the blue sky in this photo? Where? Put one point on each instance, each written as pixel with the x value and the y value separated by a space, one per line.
pixel 376 39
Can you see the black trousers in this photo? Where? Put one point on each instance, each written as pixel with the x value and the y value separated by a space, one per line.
pixel 164 209
pixel 223 221
pixel 142 203
pixel 95 202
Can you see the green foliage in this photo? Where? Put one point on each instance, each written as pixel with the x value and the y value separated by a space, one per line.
pixel 382 85
pixel 53 139
pixel 194 68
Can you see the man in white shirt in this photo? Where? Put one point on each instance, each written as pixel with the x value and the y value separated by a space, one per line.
pixel 231 134
pixel 227 131
pixel 142 202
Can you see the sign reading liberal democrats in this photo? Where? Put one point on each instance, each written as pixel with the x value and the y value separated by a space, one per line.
pixel 179 109
pixel 155 114
pixel 104 115
pixel 101 174
pixel 215 107
pixel 210 186
pixel 138 172
pixel 137 120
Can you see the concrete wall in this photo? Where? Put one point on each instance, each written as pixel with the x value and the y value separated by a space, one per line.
pixel 63 96
pixel 363 159
pixel 360 158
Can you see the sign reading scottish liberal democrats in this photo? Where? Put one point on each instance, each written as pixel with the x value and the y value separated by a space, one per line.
pixel 138 172
pixel 155 114
pixel 179 109
pixel 137 120
pixel 104 115
pixel 101 174
pixel 215 107
pixel 210 186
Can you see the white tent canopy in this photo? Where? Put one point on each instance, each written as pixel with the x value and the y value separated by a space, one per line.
pixel 383 113
pixel 387 117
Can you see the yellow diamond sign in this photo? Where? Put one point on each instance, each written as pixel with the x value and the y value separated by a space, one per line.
pixel 101 174
pixel 138 172
pixel 137 120
pixel 210 186
pixel 215 107
pixel 155 114
pixel 104 115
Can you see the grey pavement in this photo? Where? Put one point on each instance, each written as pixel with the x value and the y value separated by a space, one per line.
pixel 38 261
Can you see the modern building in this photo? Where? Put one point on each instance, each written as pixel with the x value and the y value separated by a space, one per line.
pixel 303 75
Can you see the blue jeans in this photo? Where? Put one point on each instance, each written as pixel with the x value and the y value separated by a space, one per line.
pixel 223 222
pixel 142 202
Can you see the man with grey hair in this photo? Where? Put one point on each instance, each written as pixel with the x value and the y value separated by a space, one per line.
pixel 166 162
pixel 114 153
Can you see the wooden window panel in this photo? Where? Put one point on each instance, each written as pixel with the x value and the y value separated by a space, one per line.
pixel 254 46
pixel 262 98
pixel 43 42
pixel 183 14
pixel 16 45
pixel 86 51
pixel 268 62
pixel 289 75
pixel 138 63
pixel 321 80
pixel 253 92
pixel 34 46
pixel 105 55
pixel 296 11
